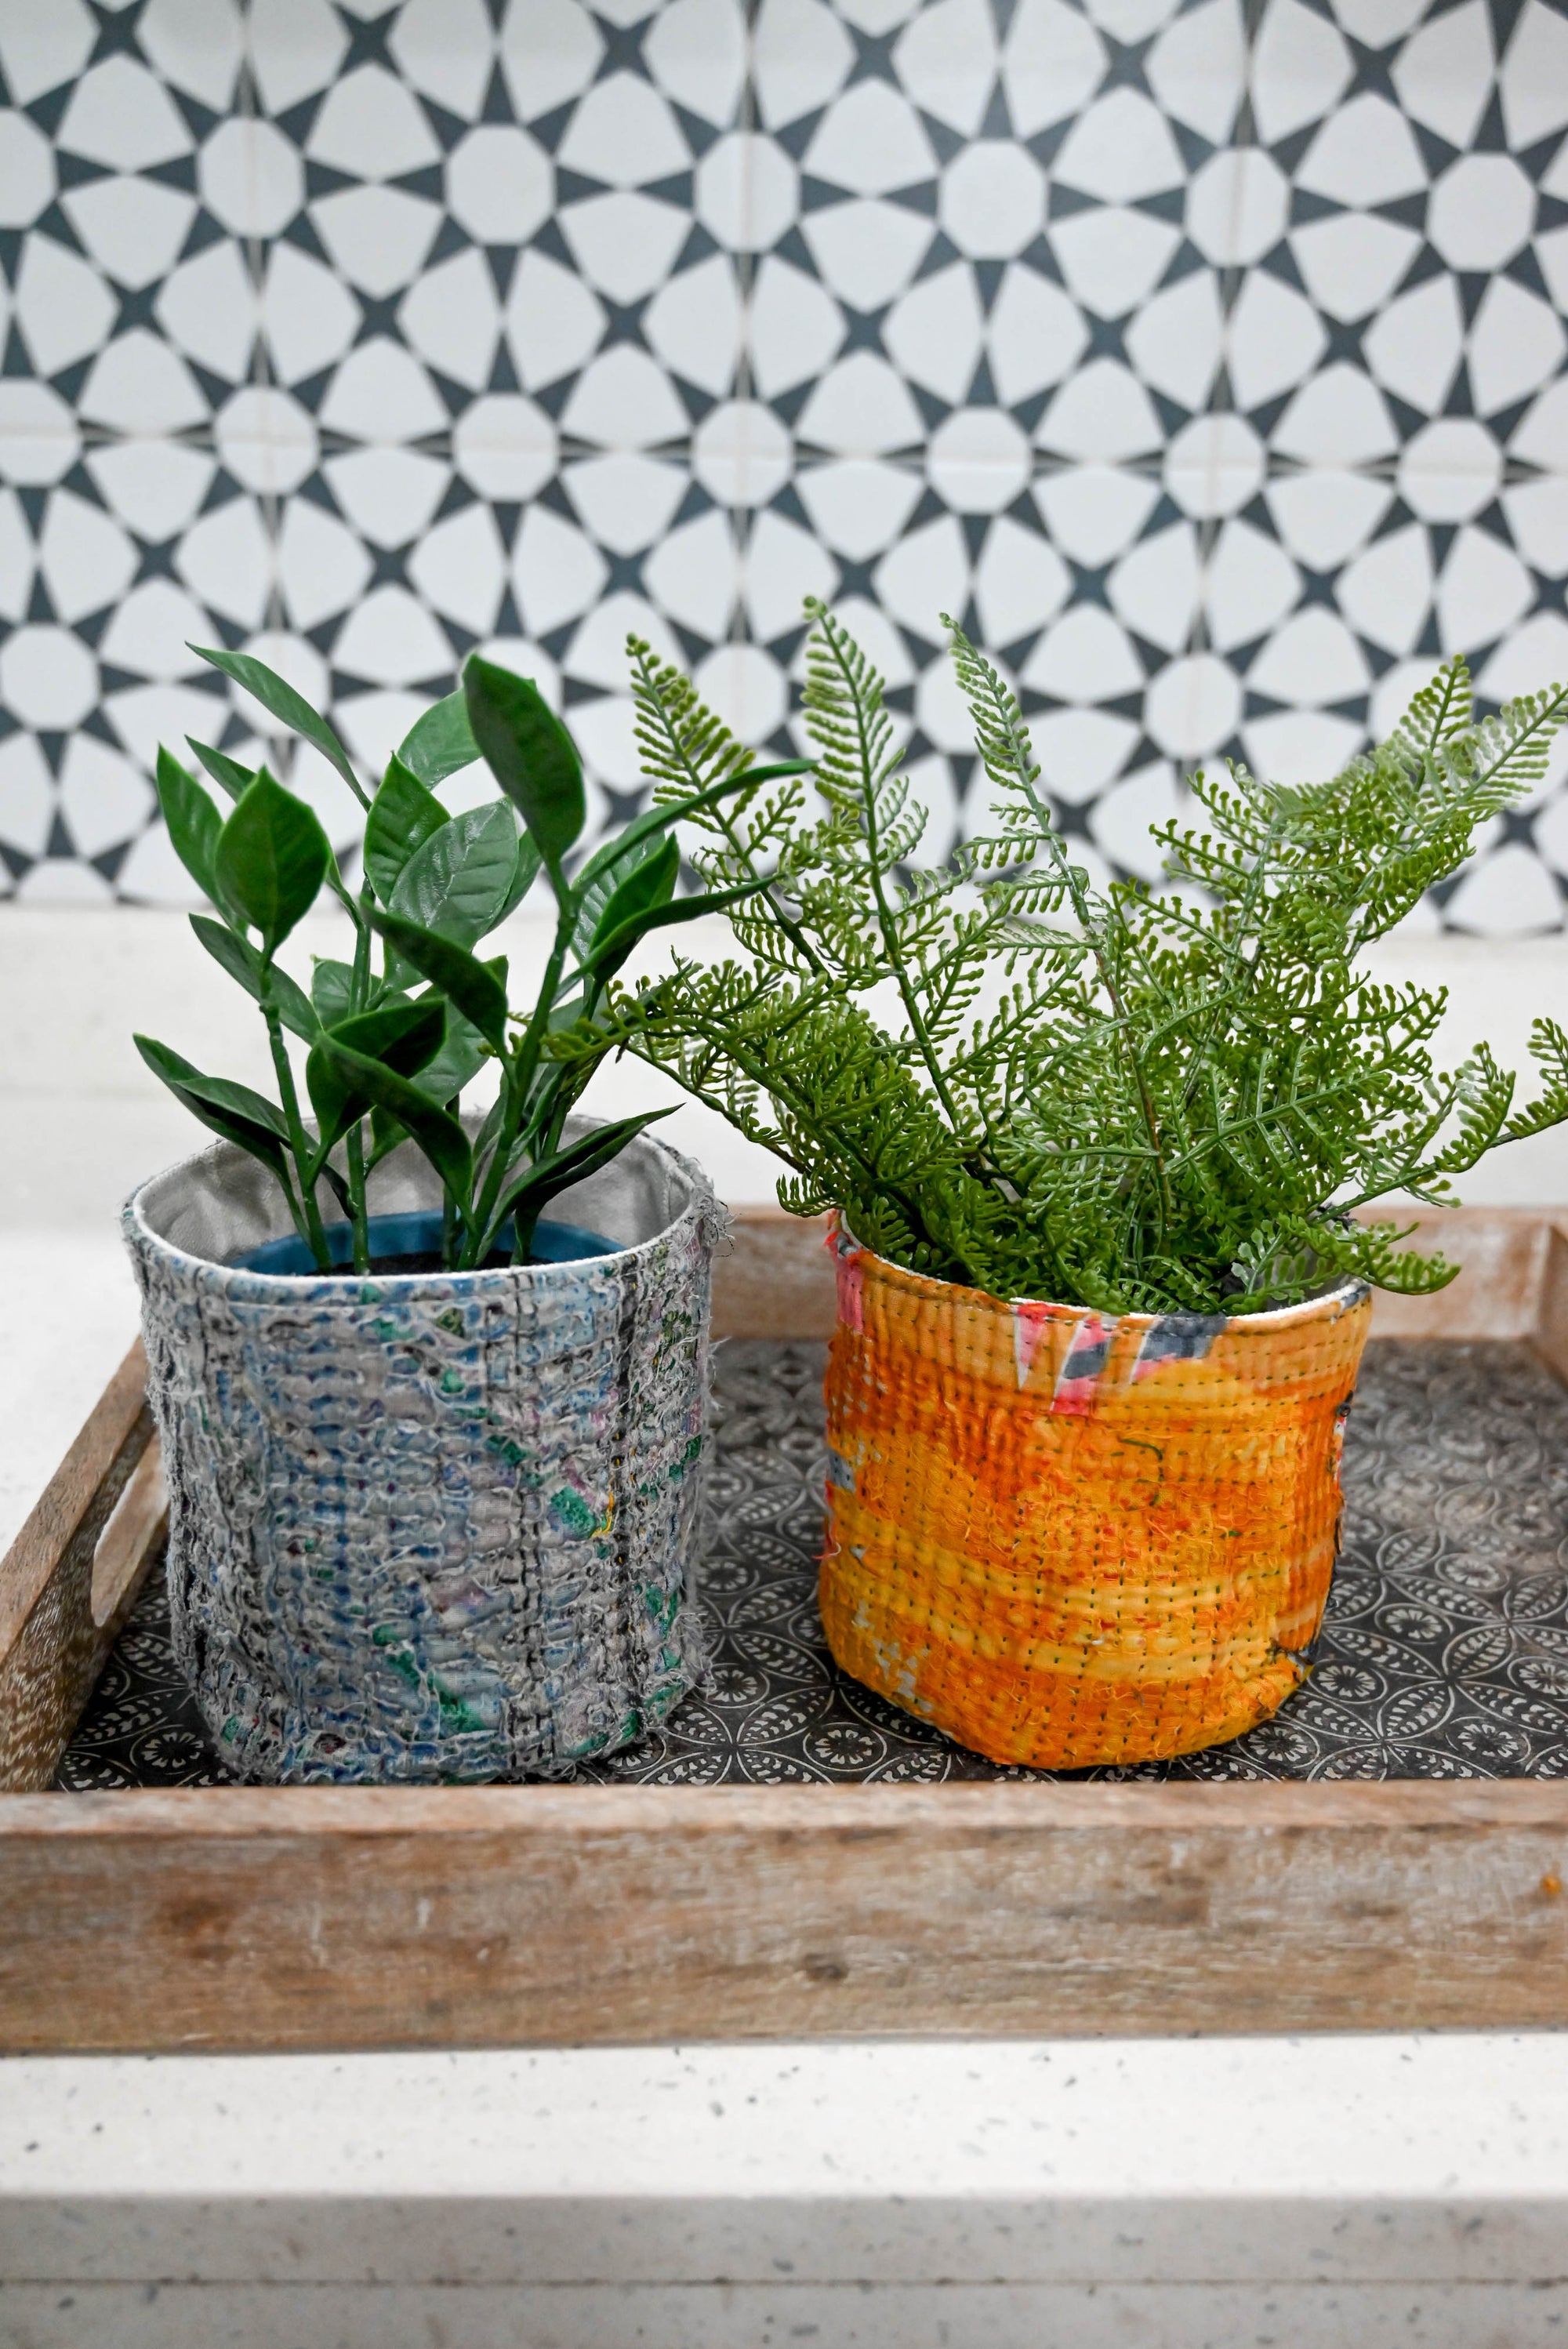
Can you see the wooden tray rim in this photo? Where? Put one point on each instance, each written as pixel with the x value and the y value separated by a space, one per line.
pixel 300 1917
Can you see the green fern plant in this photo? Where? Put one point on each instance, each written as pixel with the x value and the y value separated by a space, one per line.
pixel 1128 1098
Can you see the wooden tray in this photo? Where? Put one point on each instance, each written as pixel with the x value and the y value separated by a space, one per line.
pixel 297 1918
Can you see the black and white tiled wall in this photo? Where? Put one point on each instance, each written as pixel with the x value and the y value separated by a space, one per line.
pixel 1210 358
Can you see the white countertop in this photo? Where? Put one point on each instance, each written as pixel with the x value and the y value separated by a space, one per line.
pixel 1341 2192
pixel 71 1313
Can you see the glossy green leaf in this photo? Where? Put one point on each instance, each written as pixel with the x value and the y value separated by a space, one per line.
pixel 594 890
pixel 338 1187
pixel 226 772
pixel 441 743
pixel 609 952
pixel 385 1135
pixel 529 753
pixel 219 1093
pixel 402 1036
pixel 490 1127
pixel 437 1132
pixel 456 882
pixel 529 861
pixel 294 1006
pixel 650 884
pixel 239 957
pixel 336 1098
pixel 477 989
pixel 232 1110
pixel 274 693
pixel 332 990
pixel 403 816
pixel 461 1057
pixel 272 858
pixel 193 821
pixel 527 1193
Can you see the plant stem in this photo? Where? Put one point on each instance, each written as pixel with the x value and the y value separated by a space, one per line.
pixel 571 1084
pixel 517 1074
pixel 359 1218
pixel 295 1216
pixel 449 1217
pixel 525 1224
pixel 361 994
pixel 298 1142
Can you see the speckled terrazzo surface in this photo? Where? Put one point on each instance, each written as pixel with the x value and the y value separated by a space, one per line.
pixel 1444 1653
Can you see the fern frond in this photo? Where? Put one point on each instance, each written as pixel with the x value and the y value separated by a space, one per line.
pixel 1293 1257
pixel 1505 757
pixel 1139 1100
pixel 1438 713
pixel 1548 1049
pixel 848 722
pixel 682 744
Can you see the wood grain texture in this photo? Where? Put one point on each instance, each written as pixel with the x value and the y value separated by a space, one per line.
pixel 138 1526
pixel 114 1423
pixel 1501 1253
pixel 1550 1335
pixel 51 1647
pixel 327 1918
pixel 774 1279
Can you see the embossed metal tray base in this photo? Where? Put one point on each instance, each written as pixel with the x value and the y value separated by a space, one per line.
pixel 1444 1653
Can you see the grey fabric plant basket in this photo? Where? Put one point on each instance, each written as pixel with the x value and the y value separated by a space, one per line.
pixel 430 1525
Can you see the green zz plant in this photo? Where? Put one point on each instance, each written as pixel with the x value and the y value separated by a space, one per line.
pixel 1130 1099
pixel 393 1037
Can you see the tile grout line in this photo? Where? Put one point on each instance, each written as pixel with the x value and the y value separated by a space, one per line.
pixel 1240 141
pixel 745 275
pixel 257 257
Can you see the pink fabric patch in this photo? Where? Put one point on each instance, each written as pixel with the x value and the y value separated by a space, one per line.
pixel 850 1280
pixel 1085 1365
pixel 1030 1323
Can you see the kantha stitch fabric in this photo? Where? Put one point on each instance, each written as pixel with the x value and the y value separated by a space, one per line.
pixel 1067 1538
pixel 431 1525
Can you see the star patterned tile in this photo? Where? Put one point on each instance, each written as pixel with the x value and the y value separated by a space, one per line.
pixel 1208 360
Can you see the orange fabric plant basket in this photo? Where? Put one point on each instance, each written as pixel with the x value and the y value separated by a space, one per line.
pixel 1067 1539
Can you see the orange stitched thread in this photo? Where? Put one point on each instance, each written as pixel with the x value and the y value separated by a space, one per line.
pixel 1070 1540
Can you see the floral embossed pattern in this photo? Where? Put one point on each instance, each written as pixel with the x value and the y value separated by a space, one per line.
pixel 1444 1653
